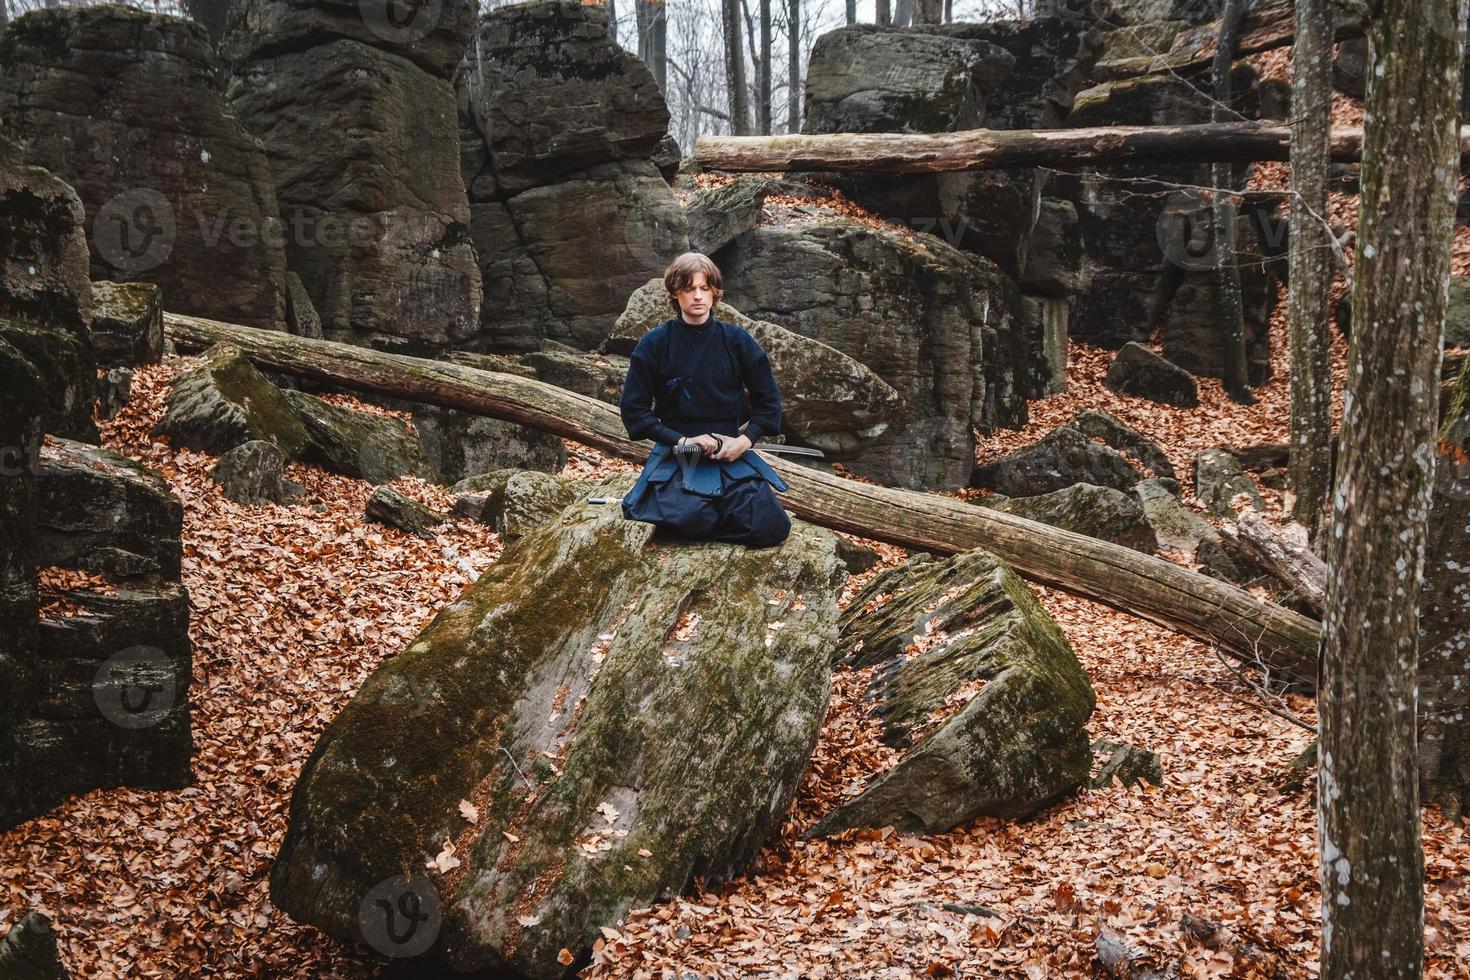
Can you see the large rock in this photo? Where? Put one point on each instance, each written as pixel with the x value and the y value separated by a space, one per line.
pixel 127 106
pixel 1046 316
pixel 1101 424
pixel 358 120
pixel 1218 477
pixel 828 399
pixel 103 698
pixel 1457 317
pixel 366 445
pixel 933 79
pixel 1098 512
pixel 560 754
pixel 225 401
pixel 28 951
pixel 1014 745
pixel 251 474
pixel 944 328
pixel 1140 372
pixel 1061 458
pixel 515 502
pixel 127 323
pixel 559 128
pixel 46 293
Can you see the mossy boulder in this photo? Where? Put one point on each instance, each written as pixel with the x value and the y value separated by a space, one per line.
pixel 1017 741
pixel 367 445
pixel 516 502
pixel 127 323
pixel 1061 458
pixel 1218 478
pixel 1098 512
pixel 225 401
pixel 599 718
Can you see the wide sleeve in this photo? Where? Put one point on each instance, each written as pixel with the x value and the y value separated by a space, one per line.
pixel 636 405
pixel 765 395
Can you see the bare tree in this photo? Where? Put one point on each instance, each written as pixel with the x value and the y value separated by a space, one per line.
pixel 883 13
pixel 1372 861
pixel 1236 370
pixel 851 12
pixel 763 66
pixel 735 69
pixel 928 11
pixel 612 20
pixel 793 60
pixel 1311 266
pixel 652 39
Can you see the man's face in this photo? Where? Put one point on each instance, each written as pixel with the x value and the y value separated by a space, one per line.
pixel 697 299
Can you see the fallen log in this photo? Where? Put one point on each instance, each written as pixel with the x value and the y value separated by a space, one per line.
pixel 1290 560
pixel 992 149
pixel 1259 633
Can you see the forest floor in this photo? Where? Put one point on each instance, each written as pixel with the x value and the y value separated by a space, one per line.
pixel 292 607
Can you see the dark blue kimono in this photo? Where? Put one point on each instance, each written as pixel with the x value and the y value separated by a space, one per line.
pixel 686 380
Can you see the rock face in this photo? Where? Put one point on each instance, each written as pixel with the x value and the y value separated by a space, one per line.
pixel 559 131
pixel 828 399
pixel 1018 741
pixel 46 295
pixel 944 328
pixel 612 741
pixel 931 79
pixel 357 115
pixel 128 108
pixel 105 701
pixel 1147 246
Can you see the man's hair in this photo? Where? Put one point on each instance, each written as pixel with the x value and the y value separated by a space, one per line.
pixel 680 274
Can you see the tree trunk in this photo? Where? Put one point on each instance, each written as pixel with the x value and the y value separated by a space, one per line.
pixel 1444 625
pixel 793 55
pixel 1236 373
pixel 903 13
pixel 1368 789
pixel 928 11
pixel 1309 306
pixel 763 86
pixel 612 20
pixel 851 12
pixel 998 149
pixel 883 13
pixel 658 43
pixel 1258 633
pixel 735 69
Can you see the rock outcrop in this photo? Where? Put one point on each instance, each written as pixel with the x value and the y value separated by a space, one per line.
pixel 992 711
pixel 547 755
pixel 559 131
pixel 357 115
pixel 46 295
pixel 127 107
pixel 943 327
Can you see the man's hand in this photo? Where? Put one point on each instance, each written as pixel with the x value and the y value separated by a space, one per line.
pixel 734 447
pixel 705 442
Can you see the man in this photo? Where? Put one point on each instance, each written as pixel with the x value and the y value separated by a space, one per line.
pixel 684 387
